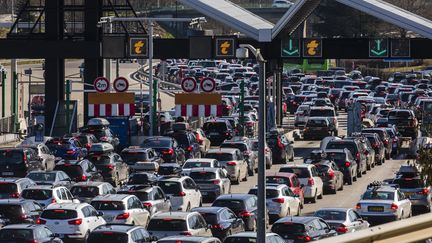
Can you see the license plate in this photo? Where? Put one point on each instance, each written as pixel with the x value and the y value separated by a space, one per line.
pixel 7 173
pixel 408 193
pixel 375 209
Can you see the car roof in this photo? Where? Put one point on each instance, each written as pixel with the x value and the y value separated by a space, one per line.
pixel 208 209
pixel 67 206
pixel 334 209
pixel 235 196
pixel 111 197
pixel 22 226
pixel 12 179
pixel 206 169
pixel 222 150
pixel 189 238
pixel 42 187
pixel 89 183
pixel 173 215
pixel 116 228
pixel 301 220
pixel 13 201
pixel 281 174
pixel 297 166
pixel 200 160
pixel 250 234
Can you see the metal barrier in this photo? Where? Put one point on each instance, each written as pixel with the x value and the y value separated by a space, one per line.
pixel 418 228
pixel 7 125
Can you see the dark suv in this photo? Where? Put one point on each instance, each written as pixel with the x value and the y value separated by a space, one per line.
pixel 385 138
pixel 245 146
pixel 19 211
pixel 111 166
pixel 218 131
pixel 282 149
pixel 405 121
pixel 79 170
pixel 167 147
pixel 17 162
pixel 302 229
pixel 188 142
pixel 346 163
pixel 354 146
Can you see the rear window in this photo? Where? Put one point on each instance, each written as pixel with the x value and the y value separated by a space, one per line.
pixel 269 193
pixel 337 157
pixel 107 237
pixel 142 196
pixel 72 171
pixel 36 194
pixel 16 234
pixel 278 180
pixel 242 147
pixel 235 205
pixel 182 139
pixel 220 156
pixel 160 143
pixel 197 164
pixel 202 175
pixel 215 126
pixel 323 112
pixel 41 176
pixel 11 157
pixel 108 205
pixel 316 123
pixel 350 146
pixel 322 168
pixel 210 218
pixel 300 172
pixel 100 159
pixel 85 191
pixel 330 215
pixel 288 228
pixel 378 195
pixel 10 210
pixel 8 187
pixel 409 183
pixel 132 157
pixel 399 114
pixel 59 214
pixel 170 187
pixel 167 224
pixel 239 240
pixel 379 132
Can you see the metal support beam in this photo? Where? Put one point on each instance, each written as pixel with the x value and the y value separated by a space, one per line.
pixel 279 98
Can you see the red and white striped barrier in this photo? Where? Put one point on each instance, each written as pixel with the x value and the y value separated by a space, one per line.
pixel 198 110
pixel 100 110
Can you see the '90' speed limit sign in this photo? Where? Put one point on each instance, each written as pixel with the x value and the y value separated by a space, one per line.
pixel 101 84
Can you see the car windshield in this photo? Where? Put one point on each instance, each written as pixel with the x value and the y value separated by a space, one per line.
pixel 288 228
pixel 269 193
pixel 59 214
pixel 108 205
pixel 99 159
pixel 330 215
pixel 85 191
pixel 210 218
pixel 242 147
pixel 16 234
pixel 300 172
pixel 156 143
pixel 350 146
pixel 196 164
pixel 409 183
pixel 378 195
pixel 132 157
pixel 73 171
pixel 214 127
pixel 109 236
pixel 11 157
pixel 42 176
pixel 36 194
pixel 10 210
pixel 170 187
pixel 235 205
pixel 167 224
pixel 142 196
pixel 278 180
pixel 202 176
pixel 220 156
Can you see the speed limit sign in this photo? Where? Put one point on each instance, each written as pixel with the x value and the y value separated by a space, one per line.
pixel 101 84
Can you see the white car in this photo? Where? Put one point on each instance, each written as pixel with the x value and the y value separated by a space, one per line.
pixel 121 209
pixel 198 163
pixel 233 161
pixel 45 195
pixel 309 177
pixel 282 4
pixel 71 220
pixel 280 201
pixel 183 193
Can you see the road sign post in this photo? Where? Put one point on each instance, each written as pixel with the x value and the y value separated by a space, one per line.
pixel 14 102
pixel 241 106
pixel 154 107
pixel 68 93
pixel 3 92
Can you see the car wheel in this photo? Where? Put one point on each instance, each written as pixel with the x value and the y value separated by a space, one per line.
pixel 298 210
pixel 314 199
pixel 188 207
pixel 387 156
pixel 229 190
pixel 246 177
pixel 359 174
pixel 292 158
pixel 251 172
pixel 354 179
pixel 341 187
pixel 200 204
pixel 321 195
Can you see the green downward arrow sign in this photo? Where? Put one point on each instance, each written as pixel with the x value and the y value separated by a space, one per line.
pixel 378 51
pixel 291 51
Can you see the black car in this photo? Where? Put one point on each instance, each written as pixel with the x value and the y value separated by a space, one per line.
pixel 395 138
pixel 282 149
pixel 188 142
pixel 218 131
pixel 346 163
pixel 318 128
pixel 53 178
pixel 142 178
pixel 79 170
pixel 17 162
pixel 223 221
pixel 354 146
pixel 20 233
pixel 302 229
pixel 243 205
pixel 378 146
pixel 385 138
pixel 167 147
pixel 111 166
pixel 19 211
pixel 331 176
pixel 141 159
pixel 119 233
pixel 405 121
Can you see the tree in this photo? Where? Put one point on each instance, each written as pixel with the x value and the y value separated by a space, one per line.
pixel 424 160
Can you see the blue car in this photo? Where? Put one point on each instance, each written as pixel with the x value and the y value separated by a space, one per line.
pixel 66 148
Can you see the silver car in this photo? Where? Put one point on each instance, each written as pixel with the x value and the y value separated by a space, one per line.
pixel 198 163
pixel 267 150
pixel 152 197
pixel 212 182
pixel 343 220
pixel 233 161
pixel 301 115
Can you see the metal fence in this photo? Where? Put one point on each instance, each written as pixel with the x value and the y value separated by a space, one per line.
pixel 7 125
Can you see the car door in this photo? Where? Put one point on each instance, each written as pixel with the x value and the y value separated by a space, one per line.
pixel 196 194
pixel 243 164
pixel 292 201
pixel 326 229
pixel 141 213
pixel 237 224
pixel 93 172
pixel 405 203
pixel 318 182
pixel 161 203
pixel 225 181
pixel 122 167
pixel 201 226
pixel 94 218
pixel 89 220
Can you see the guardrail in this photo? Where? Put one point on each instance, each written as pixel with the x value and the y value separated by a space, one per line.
pixel 418 228
pixel 7 125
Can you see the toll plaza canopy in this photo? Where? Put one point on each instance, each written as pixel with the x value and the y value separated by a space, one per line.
pixel 263 31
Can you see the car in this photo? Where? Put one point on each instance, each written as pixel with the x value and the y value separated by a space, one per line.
pixel 378 147
pixel 212 182
pixel 280 201
pixel 302 229
pixel 267 152
pixel 100 129
pixel 141 159
pixel 199 163
pixel 45 195
pixel 366 148
pixel 79 170
pixel 395 138
pixel 187 141
pixel 383 203
pixel 19 211
pixel 282 149
pixel 345 162
pixel 71 221
pixel 222 221
pixel 169 169
pixel 50 178
pixel 13 187
pixel 28 233
pixel 282 4
pixel 405 121
pixel 289 179
pixel 86 139
pixel 45 155
pixel 385 138
pixel 86 191
pixel 250 237
pixel 300 116
pixel 353 145
pixel 67 148
pixel 218 130
pixel 178 223
pixel 417 190
pixel 245 146
pixel 243 205
pixel 183 193
pixel 121 209
pixel 331 176
pixel 202 140
pixel 119 233
pixel 323 111
pixel 109 164
pixel 318 128
pixel 17 162
pixel 233 161
pixel 167 147
pixel 152 197
pixel 189 239
pixel 343 220
pixel 309 177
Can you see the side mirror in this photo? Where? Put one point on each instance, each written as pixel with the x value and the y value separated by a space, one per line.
pixel 74 200
pixel 100 214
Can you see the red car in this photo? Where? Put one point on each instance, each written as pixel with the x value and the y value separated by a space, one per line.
pixel 289 179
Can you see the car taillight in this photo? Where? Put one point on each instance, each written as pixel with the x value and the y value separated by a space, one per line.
pixel 375 145
pixel 366 153
pixel 342 229
pixel 358 206
pixel 110 167
pixel 347 164
pixel 53 200
pixel 189 149
pixel 217 226
pixel 70 152
pixel 227 134
pixel 15 195
pixel 280 145
pixel 278 200
pixel 88 146
pixel 24 216
pixel 311 181
pixel 304 237
pixel 250 124
pixel 386 141
pixel 104 139
pixel 424 191
pixel 267 150
pixel 358 155
pixel 331 173
pixel 83 178
pixel 33 241
pixel 123 216
pixel 182 194
pixel 169 151
pixel 245 214
pixel 40 221
pixel 216 182
pixel 75 222
pixel 232 163
pixel 394 207
pixel 186 233
pixel 147 204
